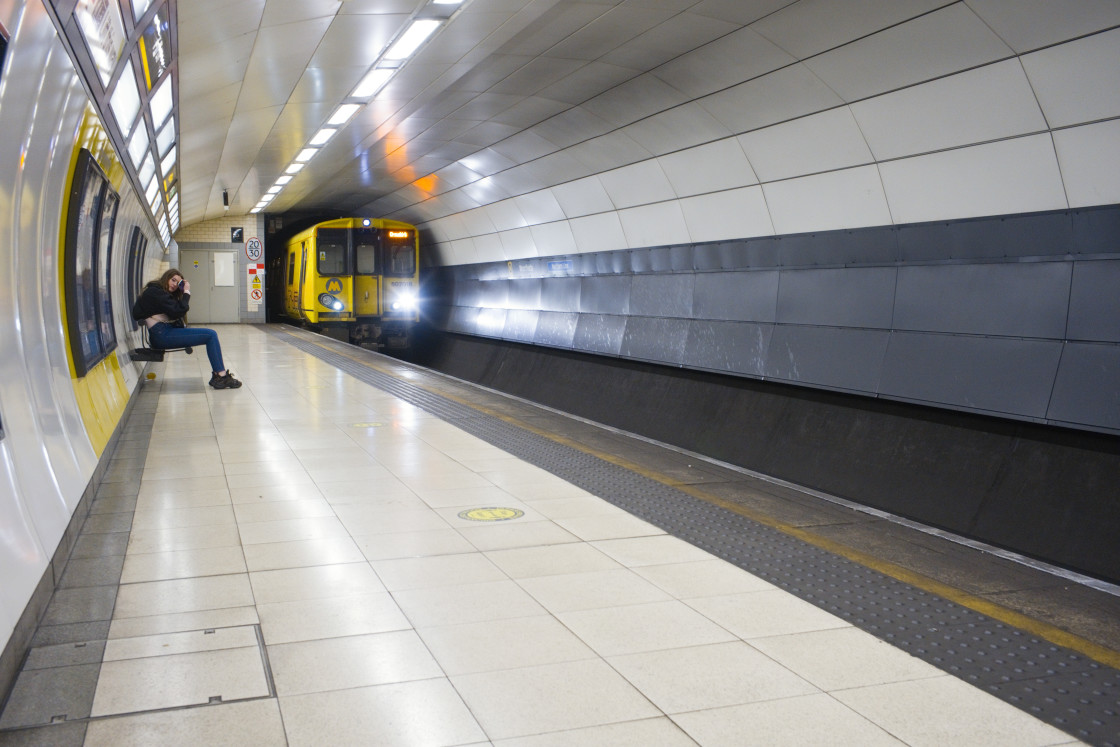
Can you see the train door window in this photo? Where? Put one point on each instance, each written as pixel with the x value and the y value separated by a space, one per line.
pixel 291 267
pixel 400 251
pixel 330 244
pixel 135 249
pixel 365 251
pixel 3 55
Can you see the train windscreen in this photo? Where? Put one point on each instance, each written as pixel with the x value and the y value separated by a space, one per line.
pixel 330 245
pixel 400 252
pixel 365 251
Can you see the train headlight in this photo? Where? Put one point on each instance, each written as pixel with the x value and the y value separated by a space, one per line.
pixel 334 303
pixel 404 302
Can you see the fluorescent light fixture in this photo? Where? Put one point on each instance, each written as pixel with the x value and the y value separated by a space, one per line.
pixel 168 163
pixel 306 154
pixel 147 169
pixel 255 210
pixel 294 168
pixel 323 136
pixel 138 148
pixel 152 191
pixel 265 199
pixel 283 180
pixel 343 113
pixel 411 40
pixel 273 189
pixel 125 101
pixel 446 2
pixel 166 137
pixel 374 81
pixel 161 103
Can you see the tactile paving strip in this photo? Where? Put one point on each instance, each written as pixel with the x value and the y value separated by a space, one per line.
pixel 1056 685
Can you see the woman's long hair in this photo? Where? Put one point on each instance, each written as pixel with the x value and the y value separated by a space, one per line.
pixel 165 281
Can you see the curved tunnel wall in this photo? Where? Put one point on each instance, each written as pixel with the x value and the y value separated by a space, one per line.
pixel 1016 316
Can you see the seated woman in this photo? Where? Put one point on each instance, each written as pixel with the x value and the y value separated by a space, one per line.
pixel 166 301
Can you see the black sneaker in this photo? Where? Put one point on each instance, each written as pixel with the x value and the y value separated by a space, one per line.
pixel 224 382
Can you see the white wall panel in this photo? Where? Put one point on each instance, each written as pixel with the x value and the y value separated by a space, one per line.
pixel 784 94
pixel 518 243
pixel 838 199
pixel 486 190
pixel 505 215
pixel 487 161
pixel 654 225
pixel 522 147
pixel 1009 176
pixel 539 207
pixel 455 175
pixel 634 99
pixel 463 252
pixel 573 126
pixel 708 168
pixel 598 233
pixel 1077 82
pixel 725 62
pixel 583 197
pixel 731 214
pixel 22 557
pixel 489 248
pixel 477 222
pixel 1030 24
pixel 1089 158
pixel 989 103
pixel 943 42
pixel 810 27
pixel 820 142
pixel 607 152
pixel 453 227
pixel 554 238
pixel 639 184
pixel 680 127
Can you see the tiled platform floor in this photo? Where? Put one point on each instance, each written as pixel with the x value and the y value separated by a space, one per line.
pixel 296 567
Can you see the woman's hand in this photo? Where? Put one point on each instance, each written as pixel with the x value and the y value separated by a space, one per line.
pixel 185 286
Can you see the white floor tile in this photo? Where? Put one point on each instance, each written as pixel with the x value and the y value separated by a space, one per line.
pixel 657 550
pixel 355 661
pixel 592 590
pixel 314 582
pixel 254 722
pixel 161 566
pixel 448 605
pixel 503 644
pixel 643 627
pixel 439 570
pixel 551 560
pixel 299 553
pixel 423 712
pixel 644 733
pixel 704 578
pixel 765 613
pixel 190 642
pixel 413 544
pixel 129 627
pixel 306 620
pixel 183 595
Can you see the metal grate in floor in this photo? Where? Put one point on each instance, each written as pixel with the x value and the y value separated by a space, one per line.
pixel 1058 686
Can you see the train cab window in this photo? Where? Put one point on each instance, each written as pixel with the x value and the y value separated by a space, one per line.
pixel 330 250
pixel 365 251
pixel 400 252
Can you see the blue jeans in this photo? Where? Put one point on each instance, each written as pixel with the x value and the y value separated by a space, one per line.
pixel 164 335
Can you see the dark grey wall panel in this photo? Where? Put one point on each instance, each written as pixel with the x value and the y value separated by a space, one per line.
pixel 876 245
pixel 599 333
pixel 521 325
pixel 738 296
pixel 494 294
pixel 556 329
pixel 560 294
pixel 525 293
pixel 733 347
pixel 1030 235
pixel 1094 304
pixel 658 340
pixel 490 322
pixel 662 295
pixel 842 297
pixel 607 294
pixel 830 357
pixel 977 373
pixel 463 319
pixel 1014 299
pixel 469 293
pixel 1087 389
pixel 1095 230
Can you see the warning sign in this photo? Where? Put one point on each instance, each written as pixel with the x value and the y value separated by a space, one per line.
pixel 254 249
pixel 254 285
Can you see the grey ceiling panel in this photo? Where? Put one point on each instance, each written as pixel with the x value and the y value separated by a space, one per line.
pixel 725 62
pixel 737 11
pixel 847 297
pixel 356 40
pixel 679 128
pixel 535 74
pixel 529 111
pixel 1086 386
pixel 589 80
pixel 560 294
pixel 608 152
pixel 599 333
pixel 556 329
pixel 600 36
pixel 572 126
pixel 605 295
pixel 977 373
pixel 668 40
pixel 634 99
pixel 793 91
pixel 831 357
pixel 562 20
pixel 662 295
pixel 735 347
pixel 740 296
pixel 1020 299
pixel 521 325
pixel 1028 26
pixel 658 340
pixel 1094 303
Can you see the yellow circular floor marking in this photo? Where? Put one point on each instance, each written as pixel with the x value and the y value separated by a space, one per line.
pixel 491 513
pixel 366 425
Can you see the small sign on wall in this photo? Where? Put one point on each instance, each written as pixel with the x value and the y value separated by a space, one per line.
pixel 236 235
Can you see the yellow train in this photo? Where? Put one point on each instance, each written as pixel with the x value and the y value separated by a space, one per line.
pixel 355 279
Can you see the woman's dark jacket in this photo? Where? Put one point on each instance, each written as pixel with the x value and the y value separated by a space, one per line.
pixel 155 300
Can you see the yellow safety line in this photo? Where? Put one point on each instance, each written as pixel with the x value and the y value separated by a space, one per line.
pixel 1046 631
